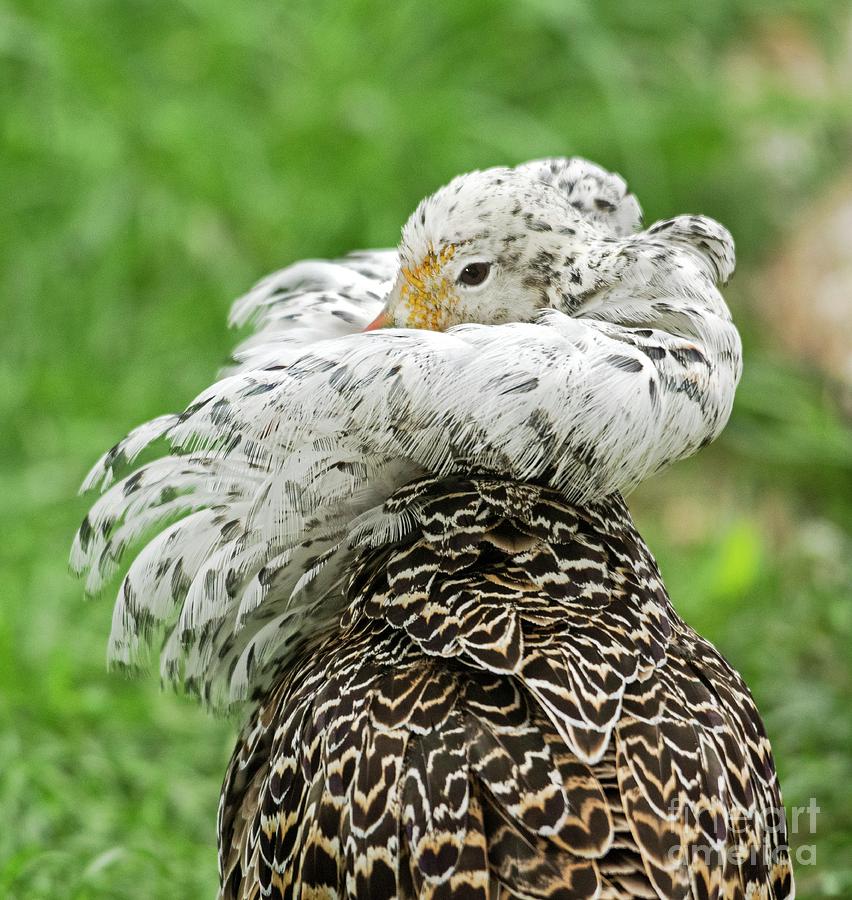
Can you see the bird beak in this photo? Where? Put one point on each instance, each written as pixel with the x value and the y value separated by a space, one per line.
pixel 382 320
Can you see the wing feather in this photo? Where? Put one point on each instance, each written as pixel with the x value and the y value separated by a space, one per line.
pixel 301 442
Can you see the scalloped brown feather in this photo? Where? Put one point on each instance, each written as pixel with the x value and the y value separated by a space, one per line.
pixel 510 708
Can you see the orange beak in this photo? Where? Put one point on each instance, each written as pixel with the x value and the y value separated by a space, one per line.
pixel 382 320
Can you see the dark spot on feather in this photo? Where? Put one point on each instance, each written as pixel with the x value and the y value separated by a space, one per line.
pixel 536 817
pixel 309 365
pixel 540 423
pixel 341 377
pixel 537 224
pixel 690 354
pixel 690 388
pixel 131 484
pixel 230 529
pixel 509 260
pixel 625 363
pixel 255 390
pixel 433 864
pixel 523 388
pixel 85 533
pixel 193 408
pixel 180 580
pixel 232 583
pixel 542 259
pixel 220 412
pixel 584 880
pixel 116 457
pixel 335 784
pixel 380 883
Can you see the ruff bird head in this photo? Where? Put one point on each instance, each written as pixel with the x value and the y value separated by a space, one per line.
pixel 501 244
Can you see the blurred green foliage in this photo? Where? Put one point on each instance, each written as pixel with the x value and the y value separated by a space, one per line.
pixel 157 158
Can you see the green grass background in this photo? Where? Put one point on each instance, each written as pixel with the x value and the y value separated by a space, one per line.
pixel 158 157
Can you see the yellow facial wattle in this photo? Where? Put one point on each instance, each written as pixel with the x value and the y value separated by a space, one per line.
pixel 427 292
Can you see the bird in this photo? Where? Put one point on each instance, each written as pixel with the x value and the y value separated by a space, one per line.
pixel 392 538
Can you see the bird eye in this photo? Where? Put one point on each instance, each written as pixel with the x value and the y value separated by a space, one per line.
pixel 474 273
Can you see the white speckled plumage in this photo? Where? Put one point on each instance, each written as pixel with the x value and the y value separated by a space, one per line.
pixel 623 360
pixel 407 550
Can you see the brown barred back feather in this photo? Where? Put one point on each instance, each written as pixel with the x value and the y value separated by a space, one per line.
pixel 510 707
